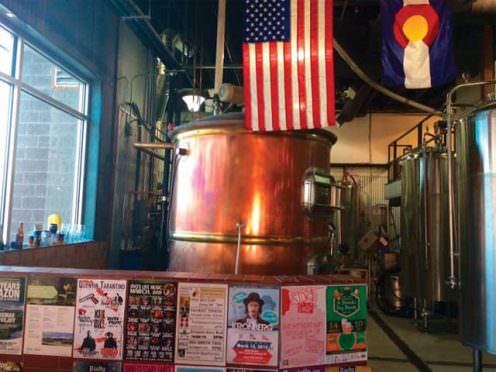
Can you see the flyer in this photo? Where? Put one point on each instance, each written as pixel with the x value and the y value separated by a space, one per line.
pixel 96 366
pixel 201 324
pixel 10 366
pixel 306 369
pixel 198 369
pixel 99 318
pixel 346 323
pixel 253 326
pixel 151 321
pixel 11 315
pixel 50 316
pixel 137 367
pixel 303 321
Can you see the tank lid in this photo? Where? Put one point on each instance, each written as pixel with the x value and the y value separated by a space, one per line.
pixel 236 121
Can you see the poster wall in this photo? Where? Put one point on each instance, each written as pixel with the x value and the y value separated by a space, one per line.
pixel 151 321
pixel 198 369
pixel 346 323
pixel 10 366
pixel 50 316
pixel 253 326
pixel 303 321
pixel 99 318
pixel 11 315
pixel 138 367
pixel 96 366
pixel 201 324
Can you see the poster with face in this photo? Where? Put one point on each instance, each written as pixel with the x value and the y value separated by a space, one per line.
pixel 11 315
pixel 96 366
pixel 50 316
pixel 138 367
pixel 100 306
pixel 253 326
pixel 346 323
pixel 303 321
pixel 151 321
pixel 201 324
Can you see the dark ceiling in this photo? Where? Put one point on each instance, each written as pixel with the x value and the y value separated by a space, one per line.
pixel 357 27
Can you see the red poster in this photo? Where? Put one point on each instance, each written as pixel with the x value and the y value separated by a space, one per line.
pixel 141 367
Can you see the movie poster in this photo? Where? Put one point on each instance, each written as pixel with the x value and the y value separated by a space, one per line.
pixel 11 315
pixel 303 321
pixel 151 321
pixel 198 369
pixel 99 318
pixel 96 366
pixel 201 324
pixel 346 323
pixel 253 326
pixel 138 367
pixel 50 316
pixel 10 366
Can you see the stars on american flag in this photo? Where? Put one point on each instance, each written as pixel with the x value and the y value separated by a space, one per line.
pixel 266 20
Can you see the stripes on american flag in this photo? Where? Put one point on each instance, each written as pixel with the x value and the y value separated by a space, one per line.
pixel 289 83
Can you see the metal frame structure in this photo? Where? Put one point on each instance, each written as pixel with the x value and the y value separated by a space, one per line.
pixel 18 86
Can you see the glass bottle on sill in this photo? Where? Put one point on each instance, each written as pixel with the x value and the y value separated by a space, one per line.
pixel 20 236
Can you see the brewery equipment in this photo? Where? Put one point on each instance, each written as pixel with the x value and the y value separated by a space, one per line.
pixel 476 216
pixel 424 250
pixel 410 229
pixel 236 186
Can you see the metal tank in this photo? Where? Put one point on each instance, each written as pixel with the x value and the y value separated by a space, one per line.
pixel 424 250
pixel 433 258
pixel 410 229
pixel 237 184
pixel 348 219
pixel 475 186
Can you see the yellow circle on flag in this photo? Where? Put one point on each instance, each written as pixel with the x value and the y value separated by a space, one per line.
pixel 415 28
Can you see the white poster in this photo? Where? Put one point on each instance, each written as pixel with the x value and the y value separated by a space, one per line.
pixel 100 319
pixel 201 324
pixel 50 316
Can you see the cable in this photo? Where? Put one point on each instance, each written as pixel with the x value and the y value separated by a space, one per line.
pixel 362 75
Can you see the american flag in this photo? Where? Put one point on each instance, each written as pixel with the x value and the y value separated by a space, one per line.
pixel 288 65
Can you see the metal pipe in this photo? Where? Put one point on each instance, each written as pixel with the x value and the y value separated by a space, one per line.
pixel 156 146
pixel 362 75
pixel 477 360
pixel 449 107
pixel 221 33
pixel 239 226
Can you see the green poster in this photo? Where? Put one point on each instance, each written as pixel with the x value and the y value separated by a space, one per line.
pixel 346 308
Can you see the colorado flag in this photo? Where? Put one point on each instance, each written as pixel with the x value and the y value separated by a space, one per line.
pixel 416 51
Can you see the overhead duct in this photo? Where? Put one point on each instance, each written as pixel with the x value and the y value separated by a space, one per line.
pixel 484 6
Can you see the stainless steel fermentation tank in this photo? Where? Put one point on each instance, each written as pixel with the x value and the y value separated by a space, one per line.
pixel 424 226
pixel 475 185
pixel 239 187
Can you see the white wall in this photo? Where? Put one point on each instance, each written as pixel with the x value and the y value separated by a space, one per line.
pixel 366 139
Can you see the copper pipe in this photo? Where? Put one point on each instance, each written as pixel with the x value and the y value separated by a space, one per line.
pixel 155 146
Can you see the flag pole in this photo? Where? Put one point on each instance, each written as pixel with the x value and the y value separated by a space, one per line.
pixel 221 33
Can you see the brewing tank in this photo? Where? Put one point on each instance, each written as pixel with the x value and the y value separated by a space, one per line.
pixel 476 218
pixel 348 219
pixel 433 256
pixel 410 229
pixel 424 225
pixel 234 181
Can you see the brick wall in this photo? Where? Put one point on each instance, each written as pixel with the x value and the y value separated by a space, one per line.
pixel 46 150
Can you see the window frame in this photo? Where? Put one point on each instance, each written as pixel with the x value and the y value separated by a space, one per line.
pixel 18 86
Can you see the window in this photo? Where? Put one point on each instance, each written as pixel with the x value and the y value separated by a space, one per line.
pixel 42 138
